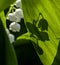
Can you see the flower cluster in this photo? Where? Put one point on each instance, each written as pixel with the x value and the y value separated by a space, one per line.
pixel 15 17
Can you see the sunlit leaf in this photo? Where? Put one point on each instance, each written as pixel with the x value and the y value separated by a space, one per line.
pixel 50 10
pixel 3 18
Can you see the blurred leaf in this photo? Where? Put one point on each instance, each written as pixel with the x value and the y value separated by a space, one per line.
pixel 7 52
pixel 5 3
pixel 50 10
pixel 25 51
pixel 26 40
pixel 3 18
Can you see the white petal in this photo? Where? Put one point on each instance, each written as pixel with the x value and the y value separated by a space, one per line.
pixel 18 4
pixel 15 27
pixel 18 19
pixel 11 38
pixel 11 17
pixel 19 13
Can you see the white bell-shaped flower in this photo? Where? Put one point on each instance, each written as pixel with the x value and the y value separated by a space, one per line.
pixel 11 38
pixel 11 17
pixel 18 18
pixel 19 13
pixel 18 4
pixel 15 27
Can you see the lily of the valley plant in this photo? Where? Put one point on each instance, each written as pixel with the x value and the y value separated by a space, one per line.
pixel 29 32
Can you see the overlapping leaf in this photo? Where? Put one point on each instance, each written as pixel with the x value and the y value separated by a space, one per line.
pixel 7 53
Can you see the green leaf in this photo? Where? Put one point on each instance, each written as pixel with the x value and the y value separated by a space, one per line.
pixel 7 52
pixel 57 58
pixel 3 18
pixel 51 12
pixel 22 39
pixel 25 51
pixel 5 3
pixel 25 38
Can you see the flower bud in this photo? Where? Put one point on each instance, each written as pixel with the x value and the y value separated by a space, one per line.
pixel 11 38
pixel 18 4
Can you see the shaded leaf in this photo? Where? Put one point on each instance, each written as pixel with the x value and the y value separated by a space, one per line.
pixel 3 4
pixel 7 56
pixel 25 50
pixel 57 58
pixel 26 53
pixel 38 49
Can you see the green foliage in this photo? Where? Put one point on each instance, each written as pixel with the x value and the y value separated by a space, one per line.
pixel 7 52
pixel 43 33
pixel 48 9
pixel 26 53
pixel 5 3
pixel 3 18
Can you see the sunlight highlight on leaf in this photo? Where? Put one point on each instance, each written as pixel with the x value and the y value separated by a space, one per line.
pixel 50 10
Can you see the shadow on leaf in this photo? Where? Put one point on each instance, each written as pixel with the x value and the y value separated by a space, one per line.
pixel 43 36
pixel 43 24
pixel 38 49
